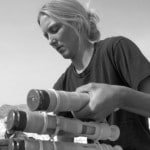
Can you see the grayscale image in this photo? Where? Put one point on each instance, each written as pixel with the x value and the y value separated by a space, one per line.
pixel 75 75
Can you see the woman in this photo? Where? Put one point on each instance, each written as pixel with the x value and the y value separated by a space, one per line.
pixel 113 71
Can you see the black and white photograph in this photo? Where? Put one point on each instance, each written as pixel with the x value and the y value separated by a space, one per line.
pixel 75 75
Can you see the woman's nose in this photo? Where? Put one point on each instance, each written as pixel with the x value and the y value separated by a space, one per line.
pixel 53 42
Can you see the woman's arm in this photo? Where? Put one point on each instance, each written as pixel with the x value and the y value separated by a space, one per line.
pixel 138 101
pixel 104 99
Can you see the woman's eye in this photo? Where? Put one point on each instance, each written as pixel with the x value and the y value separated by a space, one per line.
pixel 54 29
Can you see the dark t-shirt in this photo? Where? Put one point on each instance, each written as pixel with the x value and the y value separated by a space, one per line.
pixel 117 61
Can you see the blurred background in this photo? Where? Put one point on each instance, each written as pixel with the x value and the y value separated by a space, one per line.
pixel 26 59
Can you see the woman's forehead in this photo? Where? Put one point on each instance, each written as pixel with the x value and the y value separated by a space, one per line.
pixel 46 21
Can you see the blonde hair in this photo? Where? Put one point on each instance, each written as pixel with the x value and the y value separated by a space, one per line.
pixel 73 13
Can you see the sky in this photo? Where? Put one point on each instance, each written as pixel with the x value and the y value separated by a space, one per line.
pixel 28 62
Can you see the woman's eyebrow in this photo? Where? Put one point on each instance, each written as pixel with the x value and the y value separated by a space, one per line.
pixel 52 25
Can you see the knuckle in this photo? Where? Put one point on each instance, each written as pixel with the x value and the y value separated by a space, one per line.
pixel 92 85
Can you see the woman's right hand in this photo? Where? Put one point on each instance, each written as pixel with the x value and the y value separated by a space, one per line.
pixel 104 99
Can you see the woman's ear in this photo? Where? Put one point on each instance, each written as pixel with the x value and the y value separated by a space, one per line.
pixel 94 33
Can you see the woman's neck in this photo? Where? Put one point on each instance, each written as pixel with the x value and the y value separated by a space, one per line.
pixel 84 57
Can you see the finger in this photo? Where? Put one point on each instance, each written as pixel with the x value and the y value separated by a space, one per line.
pixel 85 88
pixel 83 113
pixel 82 88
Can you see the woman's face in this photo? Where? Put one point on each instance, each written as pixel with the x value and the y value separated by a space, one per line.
pixel 61 37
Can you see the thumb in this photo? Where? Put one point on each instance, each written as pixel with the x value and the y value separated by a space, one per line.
pixel 85 88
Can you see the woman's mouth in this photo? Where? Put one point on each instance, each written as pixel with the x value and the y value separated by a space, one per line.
pixel 61 49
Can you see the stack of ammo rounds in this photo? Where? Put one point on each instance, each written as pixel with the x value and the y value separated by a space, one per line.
pixel 38 120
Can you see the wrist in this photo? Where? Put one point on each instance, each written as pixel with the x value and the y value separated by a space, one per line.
pixel 121 96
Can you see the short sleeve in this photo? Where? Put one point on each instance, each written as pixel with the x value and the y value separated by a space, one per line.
pixel 59 83
pixel 129 61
